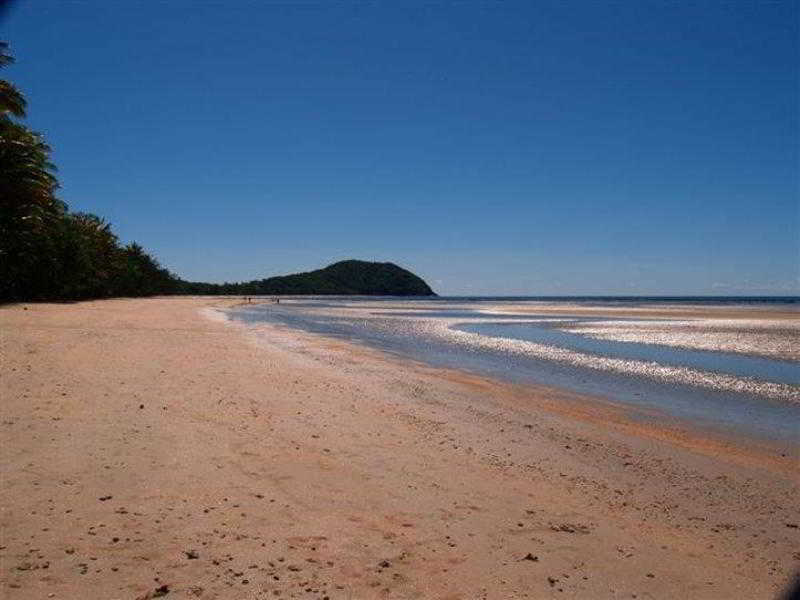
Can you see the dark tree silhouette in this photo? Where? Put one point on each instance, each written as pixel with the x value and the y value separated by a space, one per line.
pixel 46 252
pixel 49 253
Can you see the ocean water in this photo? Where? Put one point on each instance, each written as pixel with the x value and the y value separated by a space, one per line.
pixel 737 375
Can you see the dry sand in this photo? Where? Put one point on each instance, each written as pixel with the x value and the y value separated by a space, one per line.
pixel 150 449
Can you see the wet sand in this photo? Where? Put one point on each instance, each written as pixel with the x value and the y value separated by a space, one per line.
pixel 150 448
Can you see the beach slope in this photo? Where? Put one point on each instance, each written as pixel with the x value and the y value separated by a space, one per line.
pixel 151 448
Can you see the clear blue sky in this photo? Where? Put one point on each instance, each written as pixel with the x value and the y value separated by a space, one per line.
pixel 495 148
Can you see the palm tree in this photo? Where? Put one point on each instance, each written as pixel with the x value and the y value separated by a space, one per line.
pixel 11 100
pixel 25 165
pixel 29 209
pixel 45 251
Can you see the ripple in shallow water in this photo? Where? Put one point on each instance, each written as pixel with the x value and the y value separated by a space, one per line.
pixel 779 340
pixel 736 399
pixel 639 368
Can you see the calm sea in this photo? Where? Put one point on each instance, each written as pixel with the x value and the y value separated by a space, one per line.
pixel 740 375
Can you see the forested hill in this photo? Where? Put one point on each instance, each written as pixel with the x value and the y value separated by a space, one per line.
pixel 48 252
pixel 345 278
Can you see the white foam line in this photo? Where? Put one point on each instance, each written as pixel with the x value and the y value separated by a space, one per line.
pixel 670 374
pixel 440 327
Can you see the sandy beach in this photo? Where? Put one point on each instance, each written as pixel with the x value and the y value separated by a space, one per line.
pixel 150 448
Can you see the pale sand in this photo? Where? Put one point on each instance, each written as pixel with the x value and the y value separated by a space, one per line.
pixel 291 466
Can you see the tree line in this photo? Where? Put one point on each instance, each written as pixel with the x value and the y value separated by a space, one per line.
pixel 343 278
pixel 48 252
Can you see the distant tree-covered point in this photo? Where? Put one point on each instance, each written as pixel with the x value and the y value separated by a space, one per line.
pixel 344 278
pixel 48 252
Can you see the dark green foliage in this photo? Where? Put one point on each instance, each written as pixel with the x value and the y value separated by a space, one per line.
pixel 11 100
pixel 46 252
pixel 348 277
pixel 142 275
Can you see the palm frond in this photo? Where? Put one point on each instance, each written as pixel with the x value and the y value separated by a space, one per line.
pixel 5 58
pixel 11 99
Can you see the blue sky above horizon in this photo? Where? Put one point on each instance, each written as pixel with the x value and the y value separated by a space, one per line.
pixel 493 148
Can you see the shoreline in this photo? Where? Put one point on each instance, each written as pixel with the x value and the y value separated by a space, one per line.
pixel 700 390
pixel 642 421
pixel 360 460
